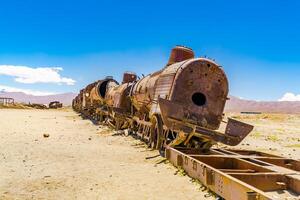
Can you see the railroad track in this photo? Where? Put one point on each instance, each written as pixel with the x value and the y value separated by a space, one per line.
pixel 182 105
pixel 235 174
pixel 240 174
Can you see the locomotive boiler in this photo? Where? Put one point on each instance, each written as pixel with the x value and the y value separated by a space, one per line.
pixel 180 105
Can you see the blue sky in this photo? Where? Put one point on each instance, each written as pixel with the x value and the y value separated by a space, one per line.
pixel 257 42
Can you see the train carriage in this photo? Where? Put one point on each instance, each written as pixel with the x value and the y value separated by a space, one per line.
pixel 180 105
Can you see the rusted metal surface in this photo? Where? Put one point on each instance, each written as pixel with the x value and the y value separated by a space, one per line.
pixel 117 97
pixel 180 53
pixel 129 77
pixel 142 93
pixel 202 87
pixel 97 94
pixel 243 175
pixel 188 96
pixel 162 90
pixel 178 111
pixel 234 133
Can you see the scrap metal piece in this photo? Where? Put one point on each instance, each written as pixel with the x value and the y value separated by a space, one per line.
pixel 181 137
pixel 55 104
pixel 239 174
pixel 173 117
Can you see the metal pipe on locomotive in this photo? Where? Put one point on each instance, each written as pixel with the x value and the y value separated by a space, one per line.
pixel 180 105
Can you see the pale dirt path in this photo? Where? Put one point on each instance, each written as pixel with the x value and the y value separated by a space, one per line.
pixel 80 161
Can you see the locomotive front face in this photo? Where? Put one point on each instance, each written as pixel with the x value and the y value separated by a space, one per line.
pixel 200 86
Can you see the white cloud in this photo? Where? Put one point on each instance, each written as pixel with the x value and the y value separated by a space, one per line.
pixel 4 88
pixel 24 74
pixel 290 97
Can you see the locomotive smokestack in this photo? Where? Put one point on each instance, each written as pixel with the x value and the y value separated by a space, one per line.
pixel 180 53
pixel 129 77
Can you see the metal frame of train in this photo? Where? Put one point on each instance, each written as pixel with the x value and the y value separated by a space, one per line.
pixel 179 105
pixel 178 110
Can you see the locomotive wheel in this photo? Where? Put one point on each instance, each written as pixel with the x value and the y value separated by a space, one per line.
pixel 156 133
pixel 118 124
pixel 100 117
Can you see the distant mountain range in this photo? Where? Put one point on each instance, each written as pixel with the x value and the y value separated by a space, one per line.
pixel 20 97
pixel 233 105
pixel 240 105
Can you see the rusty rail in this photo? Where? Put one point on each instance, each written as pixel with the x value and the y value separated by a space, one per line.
pixel 240 174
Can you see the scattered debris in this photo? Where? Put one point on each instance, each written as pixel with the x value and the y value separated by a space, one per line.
pixel 46 135
pixel 150 157
pixel 55 105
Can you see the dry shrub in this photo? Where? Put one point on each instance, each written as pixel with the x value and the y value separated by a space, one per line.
pixel 13 106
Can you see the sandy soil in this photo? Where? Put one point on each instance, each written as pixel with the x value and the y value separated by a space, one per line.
pixel 278 134
pixel 81 161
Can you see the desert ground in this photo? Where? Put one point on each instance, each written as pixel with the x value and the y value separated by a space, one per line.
pixel 277 134
pixel 80 160
pixel 55 154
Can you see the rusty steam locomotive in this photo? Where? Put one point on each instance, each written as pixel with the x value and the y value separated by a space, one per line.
pixel 180 105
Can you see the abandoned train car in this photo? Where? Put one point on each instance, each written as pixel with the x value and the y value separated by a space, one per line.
pixel 180 105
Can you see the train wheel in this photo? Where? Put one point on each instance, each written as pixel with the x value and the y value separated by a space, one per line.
pixel 100 117
pixel 156 132
pixel 118 124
